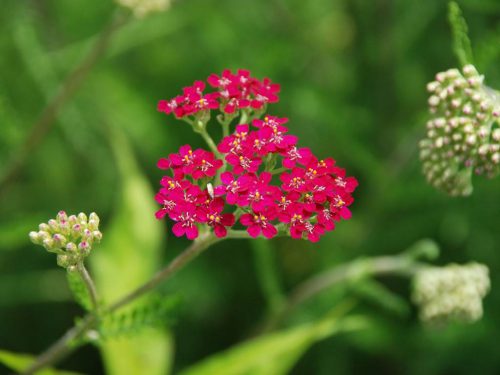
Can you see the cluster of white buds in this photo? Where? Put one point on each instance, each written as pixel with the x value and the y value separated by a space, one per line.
pixel 141 8
pixel 451 292
pixel 463 136
pixel 70 237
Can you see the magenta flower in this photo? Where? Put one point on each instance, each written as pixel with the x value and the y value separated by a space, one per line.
pixel 216 219
pixel 186 219
pixel 232 187
pixel 308 198
pixel 260 222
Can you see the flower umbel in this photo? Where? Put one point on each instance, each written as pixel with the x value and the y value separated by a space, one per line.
pixel 256 172
pixel 70 237
pixel 463 136
pixel 451 292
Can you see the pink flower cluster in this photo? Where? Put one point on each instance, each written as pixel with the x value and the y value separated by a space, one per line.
pixel 259 175
pixel 233 92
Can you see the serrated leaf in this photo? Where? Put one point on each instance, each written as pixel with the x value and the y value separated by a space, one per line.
pixel 129 255
pixel 20 362
pixel 79 290
pixel 157 311
pixel 275 353
pixel 461 42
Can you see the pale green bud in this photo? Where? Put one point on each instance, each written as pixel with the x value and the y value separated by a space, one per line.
pixel 454 292
pixel 464 125
pixel 71 237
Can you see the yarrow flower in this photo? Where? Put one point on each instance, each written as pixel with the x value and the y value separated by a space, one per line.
pixel 256 175
pixel 70 237
pixel 451 292
pixel 463 136
pixel 233 92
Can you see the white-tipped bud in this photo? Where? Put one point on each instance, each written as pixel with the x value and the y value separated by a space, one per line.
pixel 68 236
pixel 44 227
pixel 62 216
pixel 34 237
pixel 63 261
pixel 433 101
pixel 71 247
pixel 470 70
pixel 59 240
pixel 495 134
pixel 97 236
pixel 471 140
pixel 432 86
pixel 48 243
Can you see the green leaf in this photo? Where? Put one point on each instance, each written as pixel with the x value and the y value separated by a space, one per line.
pixel 20 362
pixel 157 311
pixel 378 294
pixel 129 255
pixel 79 290
pixel 461 42
pixel 275 353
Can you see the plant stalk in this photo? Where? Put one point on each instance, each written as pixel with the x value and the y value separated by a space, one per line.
pixel 66 344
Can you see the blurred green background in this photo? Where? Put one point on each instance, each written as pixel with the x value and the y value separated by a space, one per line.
pixel 353 77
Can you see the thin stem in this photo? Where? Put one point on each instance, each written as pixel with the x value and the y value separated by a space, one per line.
pixel 225 129
pixel 278 170
pixel 62 347
pixel 243 118
pixel 65 345
pixel 70 85
pixel 396 265
pixel 196 248
pixel 90 286
pixel 210 142
pixel 267 274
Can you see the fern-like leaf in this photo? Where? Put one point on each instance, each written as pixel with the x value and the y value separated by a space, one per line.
pixel 79 290
pixel 157 310
pixel 461 42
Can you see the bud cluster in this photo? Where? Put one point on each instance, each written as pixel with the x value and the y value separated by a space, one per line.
pixel 70 237
pixel 463 136
pixel 451 292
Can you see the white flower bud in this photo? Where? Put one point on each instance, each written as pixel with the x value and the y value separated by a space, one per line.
pixel 451 292
pixel 82 217
pixel 34 237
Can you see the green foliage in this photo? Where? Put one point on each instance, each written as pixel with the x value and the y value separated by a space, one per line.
pixel 353 88
pixel 19 362
pixel 128 256
pixel 155 311
pixel 376 293
pixel 461 42
pixel 274 353
pixel 79 290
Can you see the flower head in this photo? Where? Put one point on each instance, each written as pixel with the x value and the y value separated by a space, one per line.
pixel 463 136
pixel 70 237
pixel 451 292
pixel 304 198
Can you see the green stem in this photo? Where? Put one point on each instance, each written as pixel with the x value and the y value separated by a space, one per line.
pixel 209 141
pixel 244 117
pixel 91 289
pixel 66 344
pixel 267 274
pixel 355 270
pixel 278 170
